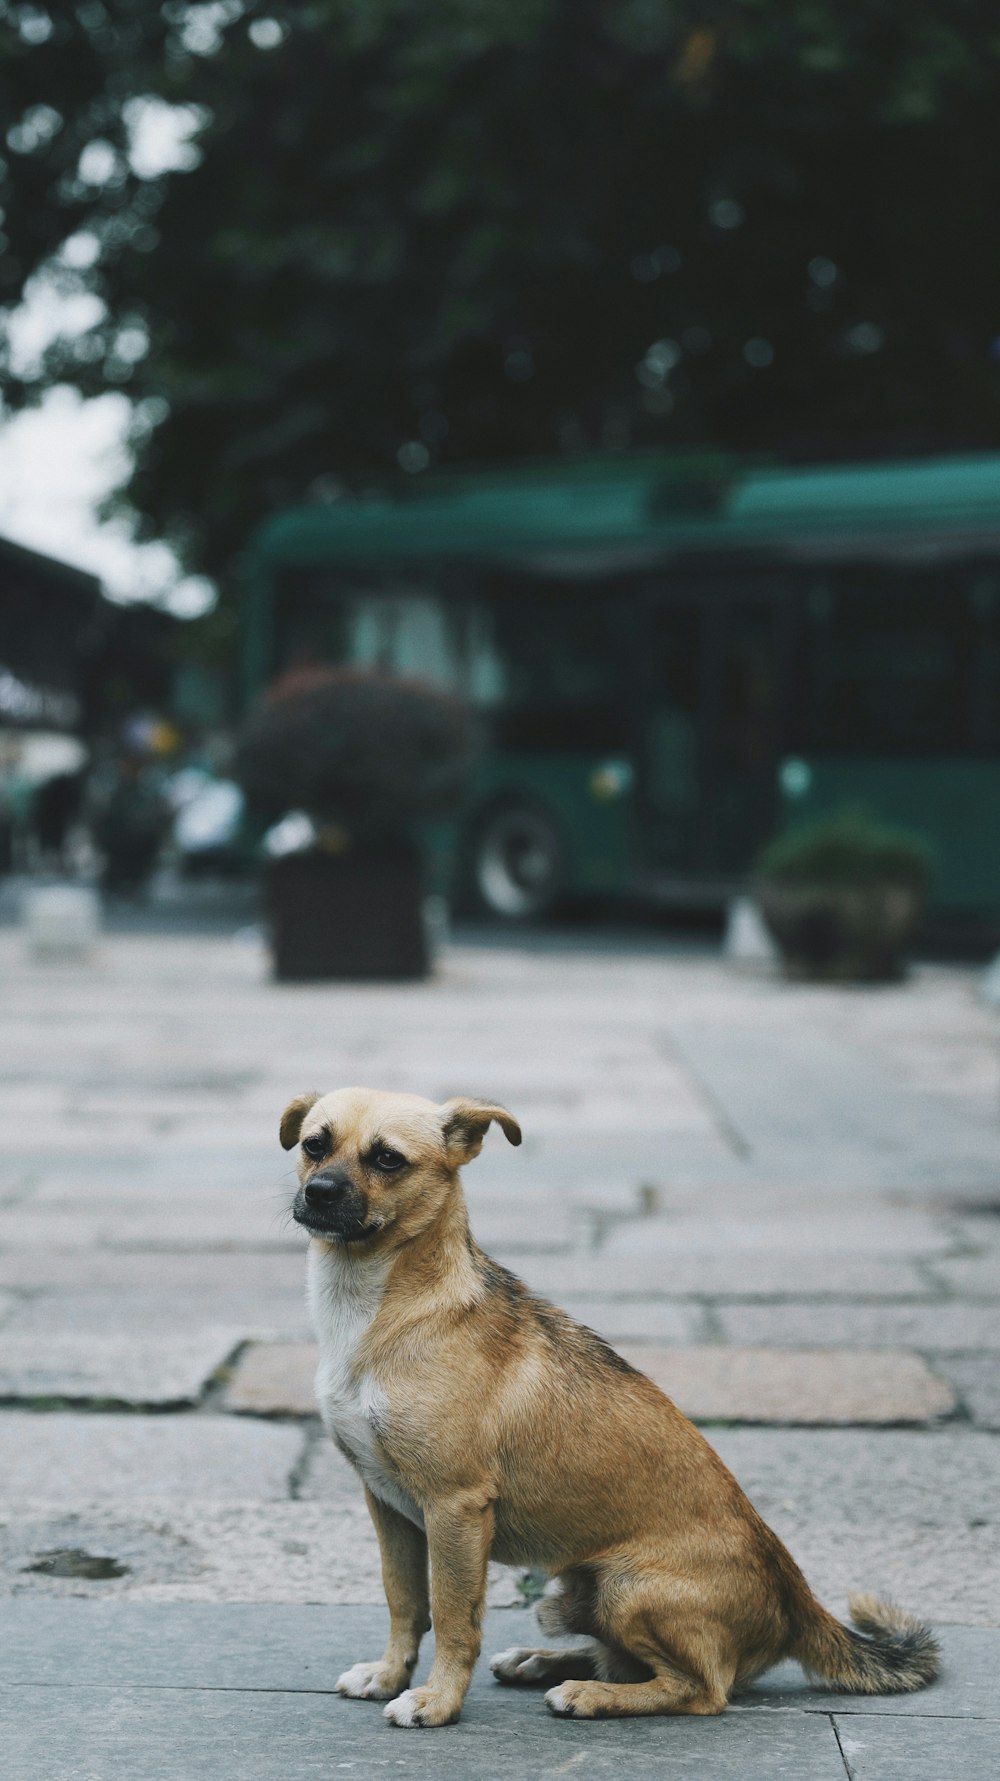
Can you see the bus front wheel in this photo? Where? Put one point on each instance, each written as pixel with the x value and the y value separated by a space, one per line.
pixel 518 862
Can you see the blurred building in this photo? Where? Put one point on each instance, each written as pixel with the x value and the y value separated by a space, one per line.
pixel 71 662
pixel 73 669
pixel 48 615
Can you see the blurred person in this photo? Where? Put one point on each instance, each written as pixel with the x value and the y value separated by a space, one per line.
pixel 129 824
pixel 16 812
pixel 8 757
pixel 57 806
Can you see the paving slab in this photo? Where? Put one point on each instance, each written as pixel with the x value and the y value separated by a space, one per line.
pixel 121 1368
pixel 222 1220
pixel 112 1673
pixel 976 1234
pixel 156 1170
pixel 72 1734
pixel 839 1386
pixel 152 1312
pixel 637 1320
pixel 791 1099
pixel 843 1273
pixel 971 1276
pixel 231 1713
pixel 318 1551
pixel 327 1476
pixel 176 1549
pixel 965 1689
pixel 885 1230
pixel 942 1327
pixel 877 1749
pixel 248 1274
pixel 274 1379
pixel 946 1574
pixel 200 1645
pixel 912 1515
pixel 67 1457
pixel 525 1226
pixel 924 1478
pixel 294 1648
pixel 204 1551
pixel 708 1383
pixel 976 1379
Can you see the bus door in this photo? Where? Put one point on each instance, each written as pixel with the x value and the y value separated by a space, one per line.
pixel 712 726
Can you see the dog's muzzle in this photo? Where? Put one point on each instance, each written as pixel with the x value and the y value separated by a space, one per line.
pixel 333 1206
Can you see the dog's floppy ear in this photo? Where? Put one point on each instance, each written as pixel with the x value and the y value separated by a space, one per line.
pixel 291 1119
pixel 465 1123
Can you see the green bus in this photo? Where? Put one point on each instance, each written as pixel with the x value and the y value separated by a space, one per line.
pixel 672 658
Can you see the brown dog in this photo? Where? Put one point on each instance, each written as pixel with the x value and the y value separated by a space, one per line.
pixel 484 1422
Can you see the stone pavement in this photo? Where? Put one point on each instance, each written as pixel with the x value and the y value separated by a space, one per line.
pixel 242 1693
pixel 785 1199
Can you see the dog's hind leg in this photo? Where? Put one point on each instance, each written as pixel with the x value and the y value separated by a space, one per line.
pixel 525 1667
pixel 668 1655
pixel 668 1692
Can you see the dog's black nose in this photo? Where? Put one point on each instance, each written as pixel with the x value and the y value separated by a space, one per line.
pixel 325 1188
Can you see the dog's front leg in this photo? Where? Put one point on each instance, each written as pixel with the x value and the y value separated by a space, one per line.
pixel 403 1551
pixel 459 1535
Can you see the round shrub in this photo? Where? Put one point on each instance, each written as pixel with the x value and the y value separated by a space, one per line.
pixel 368 752
pixel 848 848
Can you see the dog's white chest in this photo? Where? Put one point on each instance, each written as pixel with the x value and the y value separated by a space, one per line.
pixel 343 1299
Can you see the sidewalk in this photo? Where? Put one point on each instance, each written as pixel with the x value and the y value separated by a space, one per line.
pixel 784 1200
pixel 230 1693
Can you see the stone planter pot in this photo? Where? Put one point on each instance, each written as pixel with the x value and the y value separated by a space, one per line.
pixel 841 932
pixel 347 916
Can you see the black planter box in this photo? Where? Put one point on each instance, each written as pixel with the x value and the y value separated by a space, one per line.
pixel 347 916
pixel 841 932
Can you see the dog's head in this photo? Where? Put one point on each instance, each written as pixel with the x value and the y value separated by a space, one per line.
pixel 376 1169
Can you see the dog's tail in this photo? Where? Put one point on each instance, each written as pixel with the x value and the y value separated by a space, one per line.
pixel 891 1652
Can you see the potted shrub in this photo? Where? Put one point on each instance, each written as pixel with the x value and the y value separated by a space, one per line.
pixel 366 757
pixel 843 896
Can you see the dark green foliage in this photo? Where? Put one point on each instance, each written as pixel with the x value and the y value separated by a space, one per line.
pixel 418 233
pixel 369 752
pixel 847 849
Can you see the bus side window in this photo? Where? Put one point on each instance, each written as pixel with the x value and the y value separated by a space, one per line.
pixel 403 631
pixel 888 665
pixel 487 681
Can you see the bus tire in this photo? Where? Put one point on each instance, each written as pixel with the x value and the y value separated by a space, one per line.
pixel 516 863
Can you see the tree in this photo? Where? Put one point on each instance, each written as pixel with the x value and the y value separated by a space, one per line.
pixel 411 234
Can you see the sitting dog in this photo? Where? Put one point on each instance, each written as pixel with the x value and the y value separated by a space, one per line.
pixel 485 1423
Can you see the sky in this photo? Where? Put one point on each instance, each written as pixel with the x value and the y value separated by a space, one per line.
pixel 57 462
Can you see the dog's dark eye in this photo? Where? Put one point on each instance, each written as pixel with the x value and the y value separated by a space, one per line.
pixel 316 1146
pixel 388 1160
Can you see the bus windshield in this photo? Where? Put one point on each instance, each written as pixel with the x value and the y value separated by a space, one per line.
pixel 540 660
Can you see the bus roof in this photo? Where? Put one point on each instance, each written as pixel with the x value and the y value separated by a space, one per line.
pixel 591 513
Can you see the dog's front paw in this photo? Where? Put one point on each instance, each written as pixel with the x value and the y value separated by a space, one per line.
pixel 422 1706
pixel 580 1700
pixel 560 1701
pixel 367 1682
